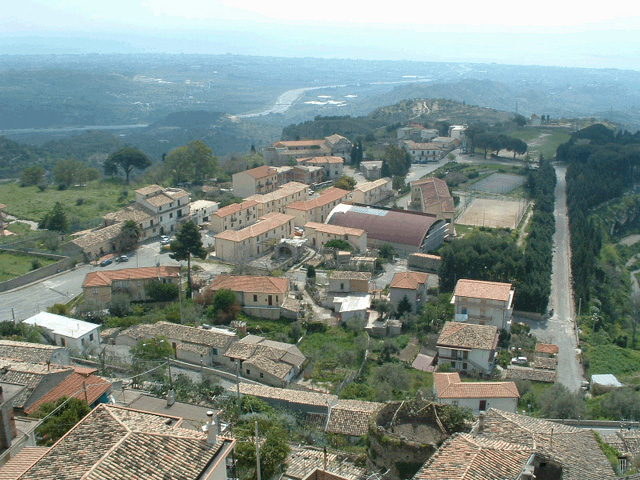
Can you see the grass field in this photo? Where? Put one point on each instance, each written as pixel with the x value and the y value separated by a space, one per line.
pixel 98 198
pixel 624 363
pixel 541 140
pixel 14 265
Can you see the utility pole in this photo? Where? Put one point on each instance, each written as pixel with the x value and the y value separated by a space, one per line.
pixel 258 453
pixel 180 293
pixel 238 388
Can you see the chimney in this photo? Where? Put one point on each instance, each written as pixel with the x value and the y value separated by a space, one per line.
pixel 171 397
pixel 481 422
pixel 211 429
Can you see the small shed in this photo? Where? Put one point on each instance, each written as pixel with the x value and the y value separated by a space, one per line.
pixel 605 380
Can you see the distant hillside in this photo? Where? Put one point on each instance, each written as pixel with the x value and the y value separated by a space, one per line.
pixel 87 147
pixel 14 157
pixel 426 111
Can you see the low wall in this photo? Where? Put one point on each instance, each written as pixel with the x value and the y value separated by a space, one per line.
pixel 65 263
pixel 530 315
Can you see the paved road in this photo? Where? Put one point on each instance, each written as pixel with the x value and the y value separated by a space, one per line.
pixel 559 329
pixel 31 299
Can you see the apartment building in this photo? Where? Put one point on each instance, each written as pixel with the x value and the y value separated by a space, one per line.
pixel 259 180
pixel 234 216
pixel 317 209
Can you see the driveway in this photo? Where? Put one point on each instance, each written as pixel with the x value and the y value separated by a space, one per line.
pixel 560 328
pixel 26 301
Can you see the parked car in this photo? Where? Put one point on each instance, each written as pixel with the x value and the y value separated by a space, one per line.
pixel 519 360
pixel 164 240
pixel 122 258
pixel 106 262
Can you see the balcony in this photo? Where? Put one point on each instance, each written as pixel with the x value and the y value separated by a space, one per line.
pixel 462 317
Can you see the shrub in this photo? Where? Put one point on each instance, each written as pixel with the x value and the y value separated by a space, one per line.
pixel 79 201
pixel 35 264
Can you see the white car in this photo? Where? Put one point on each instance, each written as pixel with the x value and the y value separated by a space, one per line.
pixel 519 360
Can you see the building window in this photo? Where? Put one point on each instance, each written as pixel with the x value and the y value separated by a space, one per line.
pixel 63 342
pixel 454 403
pixel 255 298
pixel 261 375
pixel 215 351
pixel 248 372
pixel 95 291
pixel 91 337
pixel 171 215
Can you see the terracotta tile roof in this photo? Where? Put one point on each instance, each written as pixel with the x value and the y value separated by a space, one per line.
pixel 349 275
pixel 467 457
pixel 21 462
pixel 575 449
pixel 515 372
pixel 136 212
pixel 287 395
pixel 422 146
pixel 267 222
pixel 104 278
pixel 234 208
pixel 334 229
pixel 448 385
pixel 252 345
pixel 483 290
pixel 149 189
pixel 626 441
pixel 72 385
pixel 261 172
pixel 409 280
pixel 321 160
pixel 331 194
pixel 545 362
pixel 284 191
pixel 250 284
pixel 118 443
pixel 335 138
pixel 352 417
pixel 99 237
pixel 303 461
pixel 435 191
pixel 546 348
pixel 31 376
pixel 182 333
pixel 263 362
pixel 28 352
pixel 368 186
pixel 468 335
pixel 299 143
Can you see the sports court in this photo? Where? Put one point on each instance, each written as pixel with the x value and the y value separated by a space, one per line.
pixel 498 183
pixel 486 212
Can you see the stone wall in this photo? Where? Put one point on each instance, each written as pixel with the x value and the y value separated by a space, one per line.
pixel 63 263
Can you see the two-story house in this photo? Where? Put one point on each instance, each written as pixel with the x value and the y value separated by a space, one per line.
pixel 101 286
pixel 483 303
pixel 169 207
pixel 468 347
pixel 257 239
pixel 349 282
pixel 321 233
pixel 372 193
pixel 412 285
pixel 77 335
pixel 260 296
pixel 371 170
pixel 234 216
pixel 331 165
pixel 424 152
pixel 477 396
pixel 317 209
pixel 277 200
pixel 259 180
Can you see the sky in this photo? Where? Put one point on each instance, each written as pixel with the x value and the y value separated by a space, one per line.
pixel 545 32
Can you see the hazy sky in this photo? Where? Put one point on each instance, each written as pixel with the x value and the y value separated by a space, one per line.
pixel 544 32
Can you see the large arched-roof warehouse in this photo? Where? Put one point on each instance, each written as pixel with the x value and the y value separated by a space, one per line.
pixel 407 231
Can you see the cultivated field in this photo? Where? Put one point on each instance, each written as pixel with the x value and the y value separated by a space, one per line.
pixel 498 183
pixel 485 212
pixel 13 265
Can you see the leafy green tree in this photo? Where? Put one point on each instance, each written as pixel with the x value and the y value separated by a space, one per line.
pixel 62 421
pixel 119 305
pixel 520 120
pixel 178 164
pixel 188 243
pixel 56 219
pixel 162 292
pixel 346 183
pixel 126 159
pixel 31 175
pixel 389 348
pixel 311 272
pixel 129 235
pixel 225 305
pixel 559 402
pixel 385 171
pixel 58 309
pixel 274 449
pixel 69 171
pixel 338 244
pixel 386 250
pixel 398 160
pixel 358 391
pixel 404 306
pixel 153 349
pixel 205 164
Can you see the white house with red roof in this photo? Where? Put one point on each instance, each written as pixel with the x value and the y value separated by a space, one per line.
pixel 412 285
pixel 476 396
pixel 467 347
pixel 259 180
pixel 261 296
pixel 483 303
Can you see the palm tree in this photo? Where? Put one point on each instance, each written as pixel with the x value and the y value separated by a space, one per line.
pixel 129 235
